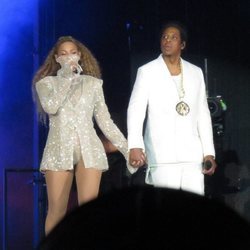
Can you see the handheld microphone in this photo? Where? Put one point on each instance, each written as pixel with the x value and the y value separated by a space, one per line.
pixel 76 69
pixel 207 165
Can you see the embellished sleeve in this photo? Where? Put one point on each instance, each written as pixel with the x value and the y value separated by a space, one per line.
pixel 106 124
pixel 52 92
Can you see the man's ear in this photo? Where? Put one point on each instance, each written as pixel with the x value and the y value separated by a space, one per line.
pixel 183 45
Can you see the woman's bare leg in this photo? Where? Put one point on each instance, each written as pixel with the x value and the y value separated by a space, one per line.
pixel 88 182
pixel 58 190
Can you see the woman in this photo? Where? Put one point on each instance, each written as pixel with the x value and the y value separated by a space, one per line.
pixel 69 91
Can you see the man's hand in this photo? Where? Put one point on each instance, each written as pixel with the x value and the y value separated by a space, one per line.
pixel 209 160
pixel 137 157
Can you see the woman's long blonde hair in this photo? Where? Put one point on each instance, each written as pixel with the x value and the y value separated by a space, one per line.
pixel 50 67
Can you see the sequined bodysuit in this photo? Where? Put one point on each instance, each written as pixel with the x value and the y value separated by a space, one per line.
pixel 71 109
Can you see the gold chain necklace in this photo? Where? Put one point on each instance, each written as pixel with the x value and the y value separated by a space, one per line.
pixel 182 108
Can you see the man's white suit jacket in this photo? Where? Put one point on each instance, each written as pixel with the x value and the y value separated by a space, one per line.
pixel 168 136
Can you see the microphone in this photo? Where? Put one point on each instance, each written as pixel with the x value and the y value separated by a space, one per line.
pixel 76 69
pixel 207 165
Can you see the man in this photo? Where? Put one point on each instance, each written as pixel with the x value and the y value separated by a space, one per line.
pixel 169 94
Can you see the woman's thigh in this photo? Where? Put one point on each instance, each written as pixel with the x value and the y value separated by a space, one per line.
pixel 58 188
pixel 88 182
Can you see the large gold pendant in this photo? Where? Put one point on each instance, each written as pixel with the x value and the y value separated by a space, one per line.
pixel 182 108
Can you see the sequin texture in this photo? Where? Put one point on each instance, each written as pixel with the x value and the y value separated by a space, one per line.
pixel 72 109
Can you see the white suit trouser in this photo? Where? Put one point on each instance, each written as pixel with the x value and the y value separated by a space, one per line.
pixel 184 176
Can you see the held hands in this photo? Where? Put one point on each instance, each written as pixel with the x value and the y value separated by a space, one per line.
pixel 137 157
pixel 209 165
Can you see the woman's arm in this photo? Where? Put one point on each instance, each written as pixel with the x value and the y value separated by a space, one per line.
pixel 52 92
pixel 106 124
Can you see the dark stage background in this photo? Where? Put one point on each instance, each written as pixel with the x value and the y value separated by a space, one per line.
pixel 122 35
